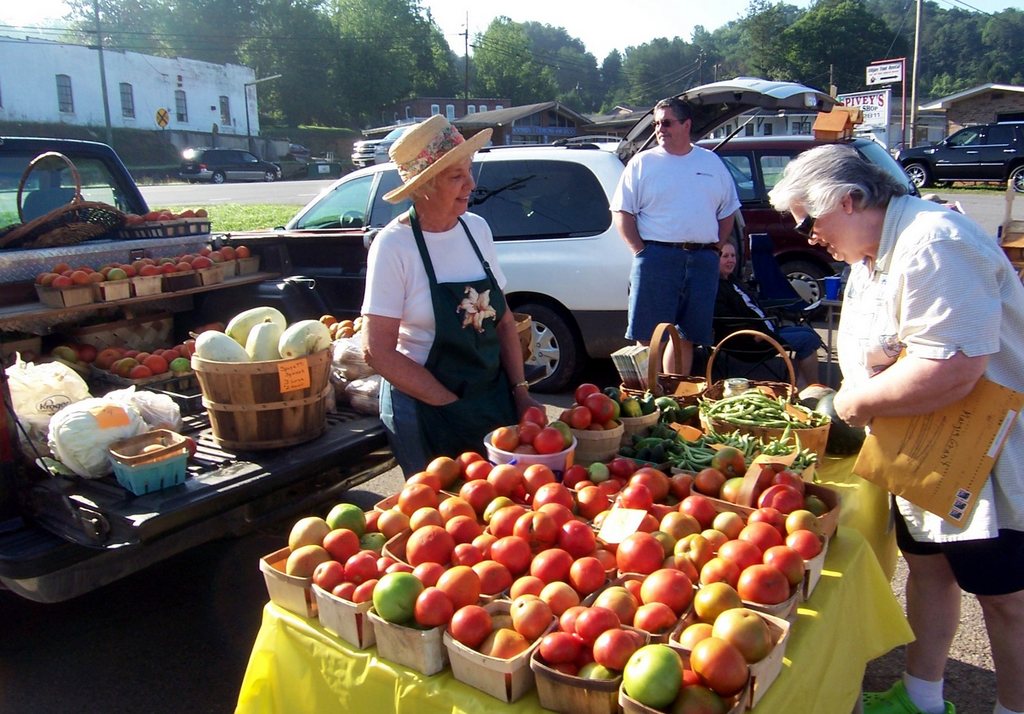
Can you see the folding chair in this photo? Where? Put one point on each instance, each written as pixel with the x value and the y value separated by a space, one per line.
pixel 774 291
pixel 745 355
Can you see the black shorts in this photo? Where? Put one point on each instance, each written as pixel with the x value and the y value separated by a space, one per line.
pixel 993 566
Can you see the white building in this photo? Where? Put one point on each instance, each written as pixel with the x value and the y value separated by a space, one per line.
pixel 43 81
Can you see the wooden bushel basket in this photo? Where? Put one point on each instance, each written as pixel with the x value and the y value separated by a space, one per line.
pixel 248 410
pixel 813 438
pixel 524 328
pixel 686 390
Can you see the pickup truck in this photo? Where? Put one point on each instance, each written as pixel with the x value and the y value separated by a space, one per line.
pixel 64 536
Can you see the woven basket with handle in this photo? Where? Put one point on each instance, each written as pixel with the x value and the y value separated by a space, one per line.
pixel 77 221
pixel 683 388
pixel 775 389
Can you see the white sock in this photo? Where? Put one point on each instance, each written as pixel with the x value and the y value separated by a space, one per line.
pixel 926 695
pixel 1000 709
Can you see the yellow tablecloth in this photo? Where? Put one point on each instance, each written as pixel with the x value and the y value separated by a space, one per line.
pixel 852 617
pixel 864 507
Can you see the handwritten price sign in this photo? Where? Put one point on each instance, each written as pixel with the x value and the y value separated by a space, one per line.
pixel 293 374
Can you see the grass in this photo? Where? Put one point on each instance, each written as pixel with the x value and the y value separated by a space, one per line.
pixel 245 217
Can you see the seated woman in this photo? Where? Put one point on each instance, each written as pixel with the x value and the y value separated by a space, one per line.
pixel 740 311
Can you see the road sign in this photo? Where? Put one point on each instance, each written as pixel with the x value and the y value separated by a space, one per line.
pixel 162 117
pixel 885 72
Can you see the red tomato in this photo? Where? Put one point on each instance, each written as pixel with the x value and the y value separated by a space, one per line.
pixel 535 415
pixel 528 431
pixel 548 441
pixel 585 390
pixel 729 460
pixel 580 417
pixel 601 407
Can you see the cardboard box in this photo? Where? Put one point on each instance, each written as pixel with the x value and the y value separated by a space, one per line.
pixel 180 281
pixel 211 275
pixel 762 672
pixel 110 290
pixel 503 679
pixel 344 618
pixel 293 593
pixel 737 704
pixel 65 297
pixel 421 650
pixel 812 571
pixel 144 333
pixel 574 695
pixel 143 285
pixel 248 266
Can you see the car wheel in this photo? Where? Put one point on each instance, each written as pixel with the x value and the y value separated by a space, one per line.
pixel 1017 179
pixel 919 174
pixel 269 176
pixel 556 352
pixel 805 278
pixel 218 177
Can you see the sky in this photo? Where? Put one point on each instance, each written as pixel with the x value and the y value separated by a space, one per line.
pixel 600 30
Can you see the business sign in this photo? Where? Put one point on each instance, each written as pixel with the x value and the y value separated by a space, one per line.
pixel 888 72
pixel 874 105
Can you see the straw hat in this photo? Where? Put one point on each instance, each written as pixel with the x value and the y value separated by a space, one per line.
pixel 427 149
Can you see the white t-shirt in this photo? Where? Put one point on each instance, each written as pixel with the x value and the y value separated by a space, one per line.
pixel 941 285
pixel 676 199
pixel 396 280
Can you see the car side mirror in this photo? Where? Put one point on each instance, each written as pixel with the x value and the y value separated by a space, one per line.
pixel 368 237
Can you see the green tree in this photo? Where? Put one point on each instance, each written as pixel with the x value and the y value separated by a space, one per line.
pixel 835 40
pixel 506 66
pixel 763 32
pixel 304 46
pixel 659 69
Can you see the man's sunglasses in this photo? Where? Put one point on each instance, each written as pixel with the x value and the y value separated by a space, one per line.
pixel 806 226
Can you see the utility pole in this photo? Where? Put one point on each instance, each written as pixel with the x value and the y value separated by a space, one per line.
pixel 465 57
pixel 913 76
pixel 103 73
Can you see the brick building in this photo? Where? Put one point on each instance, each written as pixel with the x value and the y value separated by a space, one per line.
pixel 983 104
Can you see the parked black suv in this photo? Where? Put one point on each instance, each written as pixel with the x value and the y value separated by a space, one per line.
pixel 756 165
pixel 987 152
pixel 220 165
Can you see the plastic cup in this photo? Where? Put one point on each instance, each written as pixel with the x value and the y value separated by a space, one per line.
pixel 832 284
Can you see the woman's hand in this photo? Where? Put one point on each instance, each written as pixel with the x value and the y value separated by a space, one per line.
pixel 524 400
pixel 845 404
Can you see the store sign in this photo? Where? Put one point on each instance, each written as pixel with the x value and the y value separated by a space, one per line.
pixel 527 130
pixel 884 73
pixel 874 105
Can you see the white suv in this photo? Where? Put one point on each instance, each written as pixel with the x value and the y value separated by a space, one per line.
pixel 547 206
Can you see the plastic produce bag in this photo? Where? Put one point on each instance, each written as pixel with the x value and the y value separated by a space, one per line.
pixel 159 411
pixel 347 358
pixel 38 391
pixel 363 394
pixel 81 433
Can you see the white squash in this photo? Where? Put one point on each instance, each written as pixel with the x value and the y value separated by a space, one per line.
pixel 304 338
pixel 218 347
pixel 261 344
pixel 241 324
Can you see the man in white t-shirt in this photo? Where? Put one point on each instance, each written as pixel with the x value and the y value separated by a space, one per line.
pixel 674 207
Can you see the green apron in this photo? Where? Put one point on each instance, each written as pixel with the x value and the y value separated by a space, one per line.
pixel 465 357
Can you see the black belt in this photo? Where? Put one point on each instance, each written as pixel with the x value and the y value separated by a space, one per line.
pixel 683 246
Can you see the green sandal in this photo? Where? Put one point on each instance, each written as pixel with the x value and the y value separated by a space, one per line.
pixel 894 701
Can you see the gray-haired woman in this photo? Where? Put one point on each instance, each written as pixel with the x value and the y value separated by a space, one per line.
pixel 927 284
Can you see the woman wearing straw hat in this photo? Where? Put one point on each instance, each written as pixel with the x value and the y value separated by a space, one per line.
pixel 436 326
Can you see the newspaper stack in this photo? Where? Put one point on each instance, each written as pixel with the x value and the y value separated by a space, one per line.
pixel 631 363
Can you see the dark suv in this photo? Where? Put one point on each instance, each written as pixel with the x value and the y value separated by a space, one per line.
pixel 987 152
pixel 756 164
pixel 220 165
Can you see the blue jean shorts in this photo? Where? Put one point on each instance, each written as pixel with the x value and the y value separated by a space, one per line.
pixel 801 338
pixel 401 422
pixel 672 285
